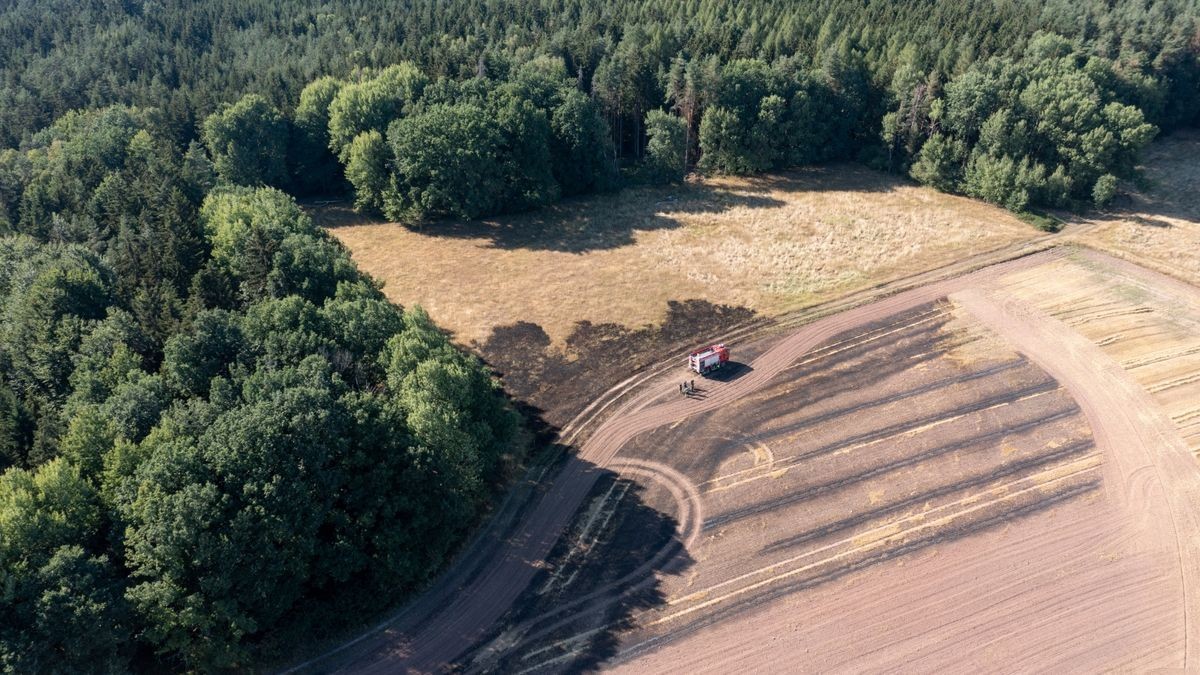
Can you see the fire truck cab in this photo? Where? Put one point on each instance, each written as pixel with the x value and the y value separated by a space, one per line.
pixel 704 361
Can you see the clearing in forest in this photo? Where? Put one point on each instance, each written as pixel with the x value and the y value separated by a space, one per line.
pixel 763 244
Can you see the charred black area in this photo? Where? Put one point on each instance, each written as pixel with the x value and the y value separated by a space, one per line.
pixel 592 588
pixel 597 356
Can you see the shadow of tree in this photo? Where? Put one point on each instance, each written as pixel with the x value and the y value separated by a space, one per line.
pixel 1167 189
pixel 1149 221
pixel 607 221
pixel 579 225
pixel 596 357
pixel 601 573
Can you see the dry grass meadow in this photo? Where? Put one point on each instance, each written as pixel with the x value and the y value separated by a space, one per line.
pixel 768 244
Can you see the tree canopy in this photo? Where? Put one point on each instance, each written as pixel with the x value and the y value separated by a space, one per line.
pixel 267 86
pixel 238 442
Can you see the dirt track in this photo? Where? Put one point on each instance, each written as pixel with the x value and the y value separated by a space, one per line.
pixel 1135 436
pixel 1084 587
pixel 439 628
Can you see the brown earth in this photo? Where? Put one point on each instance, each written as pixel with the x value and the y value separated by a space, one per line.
pixel 1070 580
pixel 1148 323
pixel 883 486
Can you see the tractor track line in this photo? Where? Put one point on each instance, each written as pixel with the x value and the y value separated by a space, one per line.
pixel 868 405
pixel 1089 463
pixel 442 624
pixel 937 492
pixel 906 428
pixel 972 503
pixel 636 580
pixel 907 547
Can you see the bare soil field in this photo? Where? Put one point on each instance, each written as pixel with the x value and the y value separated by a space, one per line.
pixel 951 477
pixel 1147 324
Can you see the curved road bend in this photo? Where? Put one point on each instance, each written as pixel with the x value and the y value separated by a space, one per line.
pixel 1131 430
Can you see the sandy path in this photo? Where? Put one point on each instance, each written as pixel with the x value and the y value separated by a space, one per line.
pixel 1084 587
pixel 463 619
pixel 1131 429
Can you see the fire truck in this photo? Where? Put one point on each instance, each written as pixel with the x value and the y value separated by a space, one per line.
pixel 704 361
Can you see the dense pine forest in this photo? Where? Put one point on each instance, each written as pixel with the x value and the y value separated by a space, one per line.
pixel 1020 103
pixel 219 440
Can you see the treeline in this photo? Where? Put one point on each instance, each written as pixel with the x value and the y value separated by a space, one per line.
pixel 519 91
pixel 414 148
pixel 217 437
pixel 1055 127
pixel 188 58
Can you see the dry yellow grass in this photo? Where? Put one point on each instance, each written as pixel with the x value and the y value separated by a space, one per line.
pixel 767 243
pixel 1160 226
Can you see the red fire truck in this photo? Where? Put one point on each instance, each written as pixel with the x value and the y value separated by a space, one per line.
pixel 704 361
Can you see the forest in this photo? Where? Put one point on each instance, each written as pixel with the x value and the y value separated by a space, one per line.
pixel 1024 104
pixel 217 434
pixel 195 379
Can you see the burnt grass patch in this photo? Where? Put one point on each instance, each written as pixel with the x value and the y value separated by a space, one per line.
pixel 559 382
pixel 859 360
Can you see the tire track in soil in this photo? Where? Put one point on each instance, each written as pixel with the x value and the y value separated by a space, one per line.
pixel 1151 489
pixel 841 447
pixel 689 522
pixel 630 584
pixel 689 528
pixel 868 405
pixel 1138 440
pixel 436 642
pixel 894 542
pixel 906 427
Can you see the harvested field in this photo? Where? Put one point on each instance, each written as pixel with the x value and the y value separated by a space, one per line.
pixel 949 478
pixel 1142 321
